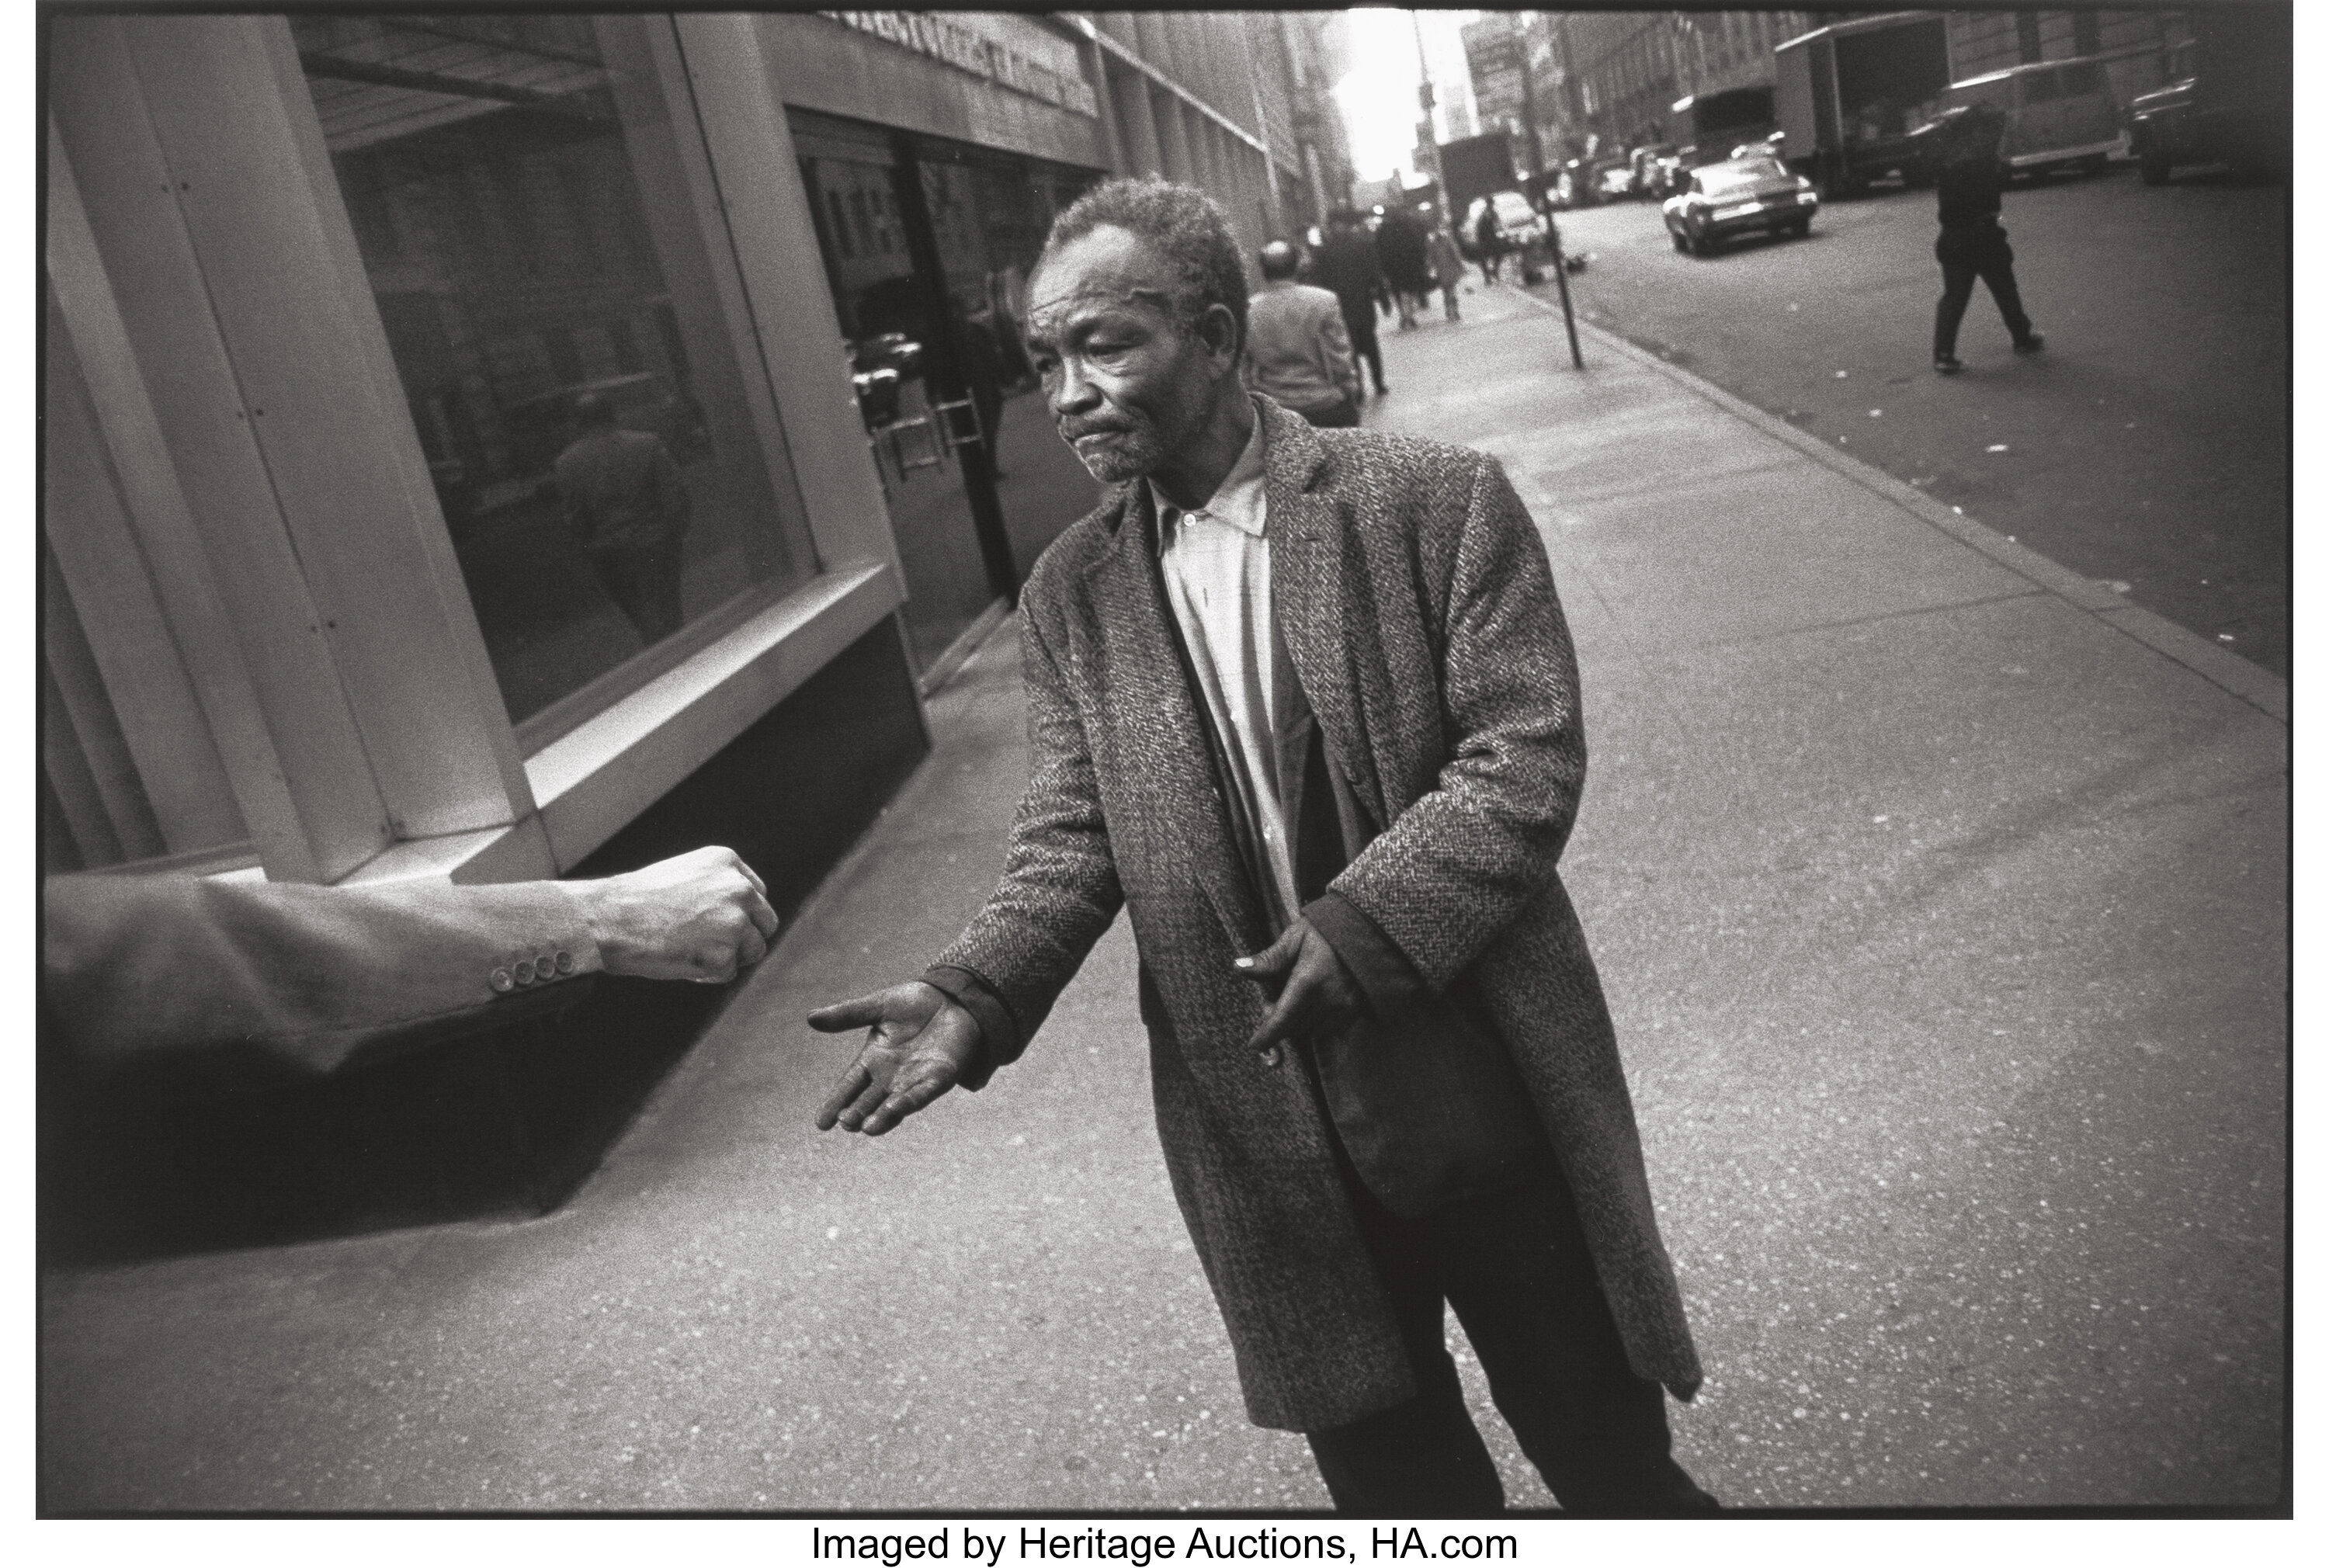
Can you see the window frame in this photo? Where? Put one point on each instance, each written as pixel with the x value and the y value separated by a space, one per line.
pixel 453 789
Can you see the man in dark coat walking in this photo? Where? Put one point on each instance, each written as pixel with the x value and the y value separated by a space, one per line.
pixel 1971 243
pixel 1403 252
pixel 1346 265
pixel 1304 703
pixel 1488 239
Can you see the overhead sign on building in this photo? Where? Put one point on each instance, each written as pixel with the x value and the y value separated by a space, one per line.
pixel 1035 63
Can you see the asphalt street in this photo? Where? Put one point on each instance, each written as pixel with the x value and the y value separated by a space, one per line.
pixel 2148 445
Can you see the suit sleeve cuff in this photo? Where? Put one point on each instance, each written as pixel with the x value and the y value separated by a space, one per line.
pixel 545 935
pixel 998 1031
pixel 1384 974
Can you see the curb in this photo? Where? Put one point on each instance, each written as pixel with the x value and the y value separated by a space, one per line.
pixel 2252 683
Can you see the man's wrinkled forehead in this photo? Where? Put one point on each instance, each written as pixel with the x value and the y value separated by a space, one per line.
pixel 1103 271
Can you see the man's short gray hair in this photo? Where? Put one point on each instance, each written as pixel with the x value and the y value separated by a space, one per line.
pixel 1180 223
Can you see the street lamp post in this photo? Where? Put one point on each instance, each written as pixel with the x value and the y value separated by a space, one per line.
pixel 1528 102
pixel 1426 139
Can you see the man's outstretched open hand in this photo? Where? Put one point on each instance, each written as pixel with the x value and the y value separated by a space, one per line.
pixel 917 1042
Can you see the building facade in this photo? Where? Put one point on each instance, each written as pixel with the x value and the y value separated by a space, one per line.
pixel 325 298
pixel 1616 75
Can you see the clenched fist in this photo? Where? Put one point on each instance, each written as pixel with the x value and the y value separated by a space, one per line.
pixel 703 916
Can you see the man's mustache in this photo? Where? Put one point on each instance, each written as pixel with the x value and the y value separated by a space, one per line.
pixel 1076 430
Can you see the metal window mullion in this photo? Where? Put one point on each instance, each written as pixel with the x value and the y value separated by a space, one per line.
pixel 81 718
pixel 711 229
pixel 463 639
pixel 749 146
pixel 102 581
pixel 72 780
pixel 371 551
pixel 196 495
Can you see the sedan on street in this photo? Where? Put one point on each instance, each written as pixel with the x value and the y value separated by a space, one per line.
pixel 1750 195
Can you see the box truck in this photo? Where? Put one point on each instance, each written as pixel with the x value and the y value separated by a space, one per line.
pixel 1849 95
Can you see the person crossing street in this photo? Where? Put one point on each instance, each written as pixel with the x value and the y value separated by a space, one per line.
pixel 1972 245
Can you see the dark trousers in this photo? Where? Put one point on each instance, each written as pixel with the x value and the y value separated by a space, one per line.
pixel 1514 1267
pixel 1359 320
pixel 645 586
pixel 1993 267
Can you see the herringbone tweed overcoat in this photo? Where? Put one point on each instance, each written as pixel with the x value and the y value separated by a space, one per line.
pixel 1416 602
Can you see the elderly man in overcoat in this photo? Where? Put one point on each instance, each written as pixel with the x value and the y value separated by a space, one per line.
pixel 1304 703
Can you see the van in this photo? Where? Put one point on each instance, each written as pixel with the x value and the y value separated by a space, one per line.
pixel 2058 113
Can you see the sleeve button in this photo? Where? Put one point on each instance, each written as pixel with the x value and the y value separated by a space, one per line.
pixel 501 980
pixel 525 971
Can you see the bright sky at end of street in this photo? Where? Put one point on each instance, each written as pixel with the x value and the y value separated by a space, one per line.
pixel 1378 96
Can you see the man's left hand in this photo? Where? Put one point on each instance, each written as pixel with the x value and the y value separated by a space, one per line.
pixel 1316 992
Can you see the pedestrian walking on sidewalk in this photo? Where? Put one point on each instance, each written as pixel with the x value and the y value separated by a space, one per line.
pixel 1304 703
pixel 1488 239
pixel 1973 244
pixel 1403 249
pixel 1346 266
pixel 1296 348
pixel 1447 265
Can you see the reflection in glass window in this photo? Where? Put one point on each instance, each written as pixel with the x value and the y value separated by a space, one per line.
pixel 991 211
pixel 518 198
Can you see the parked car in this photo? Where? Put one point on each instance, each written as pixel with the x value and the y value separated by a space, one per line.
pixel 1643 163
pixel 2226 101
pixel 2058 113
pixel 1607 176
pixel 1670 172
pixel 1527 233
pixel 1750 195
pixel 1577 184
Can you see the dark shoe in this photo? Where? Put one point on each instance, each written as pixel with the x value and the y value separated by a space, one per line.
pixel 1948 364
pixel 2030 345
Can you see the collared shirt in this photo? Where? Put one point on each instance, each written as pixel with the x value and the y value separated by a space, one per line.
pixel 1215 559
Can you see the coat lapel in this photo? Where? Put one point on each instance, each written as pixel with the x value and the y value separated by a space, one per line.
pixel 1320 608
pixel 1165 766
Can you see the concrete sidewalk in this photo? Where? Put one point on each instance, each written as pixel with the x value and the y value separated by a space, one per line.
pixel 1942 914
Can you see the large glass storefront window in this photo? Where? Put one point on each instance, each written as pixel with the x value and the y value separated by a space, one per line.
pixel 531 232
